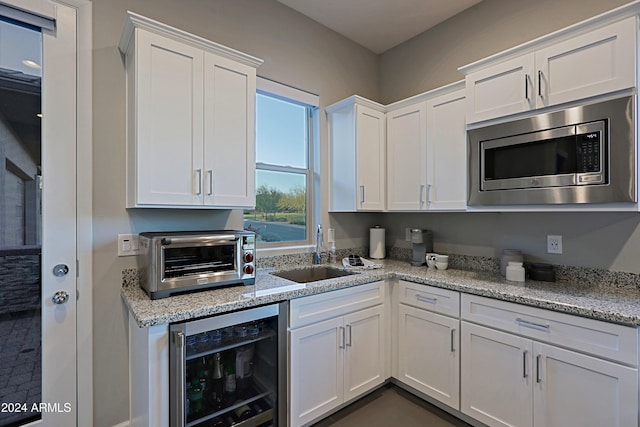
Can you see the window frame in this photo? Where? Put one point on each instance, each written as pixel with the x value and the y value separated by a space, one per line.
pixel 310 101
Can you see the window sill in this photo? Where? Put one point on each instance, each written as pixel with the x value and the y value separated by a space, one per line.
pixel 285 250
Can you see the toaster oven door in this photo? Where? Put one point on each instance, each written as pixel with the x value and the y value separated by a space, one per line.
pixel 193 263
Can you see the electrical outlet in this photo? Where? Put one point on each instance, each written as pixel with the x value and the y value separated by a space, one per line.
pixel 554 244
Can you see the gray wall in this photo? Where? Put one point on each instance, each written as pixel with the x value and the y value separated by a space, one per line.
pixel 296 51
pixel 430 60
pixel 303 54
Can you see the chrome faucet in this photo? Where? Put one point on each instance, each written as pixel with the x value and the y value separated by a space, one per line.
pixel 317 257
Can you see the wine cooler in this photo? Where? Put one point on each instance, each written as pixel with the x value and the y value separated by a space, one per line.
pixel 229 370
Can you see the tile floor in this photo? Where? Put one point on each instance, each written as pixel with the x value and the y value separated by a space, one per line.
pixel 391 406
pixel 20 363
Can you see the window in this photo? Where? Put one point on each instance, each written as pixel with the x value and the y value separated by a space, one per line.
pixel 284 179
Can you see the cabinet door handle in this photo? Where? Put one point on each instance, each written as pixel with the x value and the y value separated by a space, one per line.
pixel 421 191
pixel 538 374
pixel 348 341
pixel 453 340
pixel 526 87
pixel 198 183
pixel 362 194
pixel 341 333
pixel 422 298
pixel 429 194
pixel 540 83
pixel 180 376
pixel 210 180
pixel 530 324
pixel 525 373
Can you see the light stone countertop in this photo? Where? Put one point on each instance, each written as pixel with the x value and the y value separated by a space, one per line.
pixel 602 302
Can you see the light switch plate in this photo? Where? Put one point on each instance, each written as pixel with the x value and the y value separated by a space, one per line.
pixel 128 245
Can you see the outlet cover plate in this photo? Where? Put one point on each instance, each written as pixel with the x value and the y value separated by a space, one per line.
pixel 554 244
pixel 128 245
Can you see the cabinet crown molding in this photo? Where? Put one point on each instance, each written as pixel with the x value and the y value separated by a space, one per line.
pixel 134 21
pixel 425 96
pixel 355 99
pixel 617 14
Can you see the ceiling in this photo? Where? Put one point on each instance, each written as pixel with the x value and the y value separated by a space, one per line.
pixel 379 25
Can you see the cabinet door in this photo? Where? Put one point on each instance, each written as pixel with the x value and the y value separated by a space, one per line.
pixel 316 370
pixel 598 62
pixel 407 158
pixel 168 124
pixel 371 165
pixel 365 355
pixel 447 152
pixel 496 377
pixel 573 389
pixel 429 354
pixel 502 89
pixel 229 135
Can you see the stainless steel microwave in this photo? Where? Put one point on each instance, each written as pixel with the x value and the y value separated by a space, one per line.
pixel 177 262
pixel 584 154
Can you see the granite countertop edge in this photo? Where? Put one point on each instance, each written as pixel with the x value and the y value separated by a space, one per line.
pixel 614 305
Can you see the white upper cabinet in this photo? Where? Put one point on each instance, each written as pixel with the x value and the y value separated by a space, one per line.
pixel 407 157
pixel 229 132
pixel 447 151
pixel 190 119
pixel 549 72
pixel 357 141
pixel 426 152
pixel 502 89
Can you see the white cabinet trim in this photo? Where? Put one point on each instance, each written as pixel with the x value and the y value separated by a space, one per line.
pixel 134 21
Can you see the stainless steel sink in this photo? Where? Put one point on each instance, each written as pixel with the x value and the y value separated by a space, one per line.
pixel 306 275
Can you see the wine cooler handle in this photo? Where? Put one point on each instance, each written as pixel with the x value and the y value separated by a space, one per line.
pixel 181 375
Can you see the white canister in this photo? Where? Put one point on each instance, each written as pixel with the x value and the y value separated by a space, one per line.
pixel 515 271
pixel 507 256
pixel 376 242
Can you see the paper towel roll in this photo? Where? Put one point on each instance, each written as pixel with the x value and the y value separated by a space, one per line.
pixel 376 243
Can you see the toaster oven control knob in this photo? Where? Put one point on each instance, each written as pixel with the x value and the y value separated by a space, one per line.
pixel 248 269
pixel 248 257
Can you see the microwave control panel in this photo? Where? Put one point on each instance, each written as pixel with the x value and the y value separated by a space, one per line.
pixel 589 152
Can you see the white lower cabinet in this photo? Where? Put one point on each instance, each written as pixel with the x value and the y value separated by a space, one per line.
pixel 513 380
pixel 496 377
pixel 428 354
pixel 335 360
pixel 317 370
pixel 428 337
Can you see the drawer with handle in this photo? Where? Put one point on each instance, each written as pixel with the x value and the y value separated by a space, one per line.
pixel 603 339
pixel 442 301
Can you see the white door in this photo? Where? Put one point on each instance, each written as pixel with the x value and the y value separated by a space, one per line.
pixel 447 152
pixel 370 137
pixel 407 158
pixel 572 389
pixel 502 89
pixel 606 58
pixel 496 377
pixel 169 114
pixel 364 356
pixel 229 133
pixel 316 370
pixel 429 354
pixel 46 350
